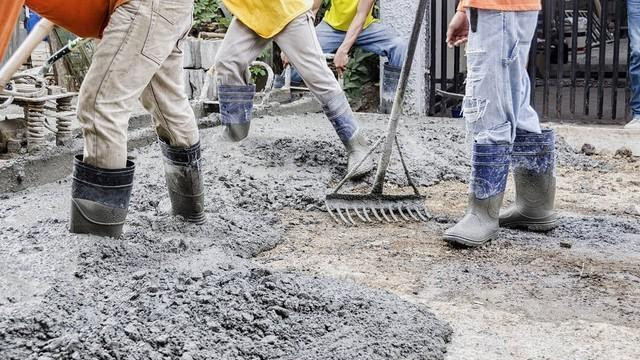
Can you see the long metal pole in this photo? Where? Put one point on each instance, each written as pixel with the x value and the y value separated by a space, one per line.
pixel 396 110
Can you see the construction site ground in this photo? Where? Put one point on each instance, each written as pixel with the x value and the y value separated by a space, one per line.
pixel 271 276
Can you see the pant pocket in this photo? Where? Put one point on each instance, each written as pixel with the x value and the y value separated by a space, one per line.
pixel 168 23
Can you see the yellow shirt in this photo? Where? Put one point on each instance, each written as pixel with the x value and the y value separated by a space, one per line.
pixel 267 17
pixel 342 12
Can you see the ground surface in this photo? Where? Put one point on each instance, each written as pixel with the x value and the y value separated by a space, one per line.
pixel 318 289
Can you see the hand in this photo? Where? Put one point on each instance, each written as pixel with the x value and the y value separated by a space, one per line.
pixel 458 31
pixel 285 59
pixel 340 60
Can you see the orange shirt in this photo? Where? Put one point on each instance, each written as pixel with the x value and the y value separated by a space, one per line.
pixel 86 18
pixel 503 5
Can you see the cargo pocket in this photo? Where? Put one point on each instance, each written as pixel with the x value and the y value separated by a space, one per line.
pixel 169 21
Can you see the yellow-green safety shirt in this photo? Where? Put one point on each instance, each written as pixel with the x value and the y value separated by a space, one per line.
pixel 342 12
pixel 267 17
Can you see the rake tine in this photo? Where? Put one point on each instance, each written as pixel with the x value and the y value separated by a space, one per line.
pixel 412 215
pixel 392 214
pixel 342 216
pixel 421 215
pixel 402 214
pixel 375 213
pixel 349 216
pixel 385 215
pixel 360 216
pixel 366 214
pixel 331 213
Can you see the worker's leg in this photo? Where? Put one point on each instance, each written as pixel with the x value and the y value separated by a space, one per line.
pixel 633 13
pixel 383 40
pixel 299 42
pixel 330 40
pixel 177 130
pixel 135 43
pixel 240 47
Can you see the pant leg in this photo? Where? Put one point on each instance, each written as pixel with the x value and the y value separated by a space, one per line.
pixel 383 41
pixel 140 35
pixel 633 13
pixel 496 98
pixel 330 40
pixel 166 100
pixel 299 41
pixel 239 48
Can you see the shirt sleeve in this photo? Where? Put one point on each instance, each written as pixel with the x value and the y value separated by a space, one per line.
pixel 9 13
pixel 461 5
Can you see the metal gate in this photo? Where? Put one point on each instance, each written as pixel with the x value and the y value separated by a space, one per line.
pixel 577 65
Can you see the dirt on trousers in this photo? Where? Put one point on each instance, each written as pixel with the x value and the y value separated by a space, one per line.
pixel 270 276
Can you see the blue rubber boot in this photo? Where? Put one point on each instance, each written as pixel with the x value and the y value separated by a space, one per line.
pixel 236 104
pixel 533 161
pixel 489 173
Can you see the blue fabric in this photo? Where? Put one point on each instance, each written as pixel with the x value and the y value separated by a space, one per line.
pixel 534 152
pixel 376 38
pixel 236 103
pixel 633 13
pixel 31 21
pixel 498 88
pixel 489 169
pixel 341 117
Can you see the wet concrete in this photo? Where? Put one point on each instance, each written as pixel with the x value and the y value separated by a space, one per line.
pixel 168 289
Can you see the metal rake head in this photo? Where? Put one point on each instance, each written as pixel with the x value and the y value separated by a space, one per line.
pixel 346 208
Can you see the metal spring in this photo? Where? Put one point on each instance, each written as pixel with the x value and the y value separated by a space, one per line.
pixel 63 123
pixel 34 117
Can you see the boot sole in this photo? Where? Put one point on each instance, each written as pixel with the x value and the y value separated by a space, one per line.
pixel 536 226
pixel 466 242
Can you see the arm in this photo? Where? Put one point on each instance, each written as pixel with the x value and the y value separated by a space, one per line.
pixel 316 6
pixel 342 54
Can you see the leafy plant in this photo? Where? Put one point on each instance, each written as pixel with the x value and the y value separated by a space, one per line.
pixel 206 13
pixel 362 69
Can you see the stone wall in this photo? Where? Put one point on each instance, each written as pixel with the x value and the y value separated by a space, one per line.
pixel 199 56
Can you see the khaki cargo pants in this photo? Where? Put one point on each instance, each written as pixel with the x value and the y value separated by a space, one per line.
pixel 298 40
pixel 139 57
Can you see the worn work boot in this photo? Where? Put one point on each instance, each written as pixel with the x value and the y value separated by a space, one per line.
pixel 99 198
pixel 489 173
pixel 236 104
pixel 339 113
pixel 390 79
pixel 184 181
pixel 533 161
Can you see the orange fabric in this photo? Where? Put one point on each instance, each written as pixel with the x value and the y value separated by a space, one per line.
pixel 9 13
pixel 503 5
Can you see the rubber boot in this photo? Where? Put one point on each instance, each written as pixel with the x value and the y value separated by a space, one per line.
pixel 533 161
pixel 339 113
pixel 99 198
pixel 184 181
pixel 390 78
pixel 489 173
pixel 236 104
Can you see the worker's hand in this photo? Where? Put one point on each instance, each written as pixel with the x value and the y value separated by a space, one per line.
pixel 458 31
pixel 285 59
pixel 341 59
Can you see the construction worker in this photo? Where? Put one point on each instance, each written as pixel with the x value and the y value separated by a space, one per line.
pixel 138 57
pixel 633 13
pixel 505 128
pixel 290 24
pixel 349 23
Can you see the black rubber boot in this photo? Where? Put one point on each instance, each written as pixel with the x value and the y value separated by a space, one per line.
pixel 99 198
pixel 236 105
pixel 184 181
pixel 490 170
pixel 533 160
pixel 390 79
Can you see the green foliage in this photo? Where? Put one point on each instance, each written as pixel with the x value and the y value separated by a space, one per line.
pixel 207 12
pixel 363 68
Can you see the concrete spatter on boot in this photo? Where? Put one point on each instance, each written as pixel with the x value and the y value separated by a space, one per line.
pixel 490 170
pixel 339 113
pixel 236 103
pixel 534 152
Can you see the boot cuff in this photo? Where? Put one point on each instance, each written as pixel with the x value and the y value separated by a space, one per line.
pixel 236 93
pixel 181 155
pixel 103 177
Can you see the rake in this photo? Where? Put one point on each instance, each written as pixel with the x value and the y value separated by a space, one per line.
pixel 375 204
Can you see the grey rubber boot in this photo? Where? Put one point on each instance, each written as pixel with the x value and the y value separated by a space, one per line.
pixel 490 170
pixel 390 78
pixel 339 113
pixel 99 198
pixel 357 148
pixel 533 160
pixel 236 105
pixel 184 181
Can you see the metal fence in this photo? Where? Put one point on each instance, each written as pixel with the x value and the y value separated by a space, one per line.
pixel 577 65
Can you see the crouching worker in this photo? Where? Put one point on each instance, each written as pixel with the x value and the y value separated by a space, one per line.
pixel 505 128
pixel 290 24
pixel 138 57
